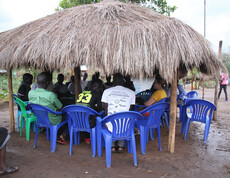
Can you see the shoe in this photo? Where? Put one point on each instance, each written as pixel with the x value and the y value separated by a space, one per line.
pixel 120 149
pixel 113 149
pixel 61 142
pixel 8 170
pixel 87 140
pixel 226 100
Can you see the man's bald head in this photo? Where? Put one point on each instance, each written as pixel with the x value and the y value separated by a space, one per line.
pixel 43 80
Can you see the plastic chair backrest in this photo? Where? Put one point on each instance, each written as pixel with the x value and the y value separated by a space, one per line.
pixel 14 95
pixel 192 94
pixel 42 114
pixel 200 109
pixel 155 113
pixel 122 123
pixel 145 95
pixel 163 100
pixel 78 116
pixel 22 105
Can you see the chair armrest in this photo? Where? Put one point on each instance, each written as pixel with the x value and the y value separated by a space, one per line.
pixel 99 119
pixel 137 107
pixel 102 114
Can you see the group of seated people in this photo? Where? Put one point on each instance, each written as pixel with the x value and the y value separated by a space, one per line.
pixel 110 97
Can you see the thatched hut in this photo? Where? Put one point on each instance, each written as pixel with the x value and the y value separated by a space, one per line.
pixel 113 36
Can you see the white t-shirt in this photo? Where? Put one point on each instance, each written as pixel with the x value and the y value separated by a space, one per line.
pixel 119 99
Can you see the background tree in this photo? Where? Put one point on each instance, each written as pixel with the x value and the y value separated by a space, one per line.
pixel 226 60
pixel 159 6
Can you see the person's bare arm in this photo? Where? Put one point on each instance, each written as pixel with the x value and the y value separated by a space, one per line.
pixel 150 102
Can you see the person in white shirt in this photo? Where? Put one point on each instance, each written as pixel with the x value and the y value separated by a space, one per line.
pixel 117 99
pixel 84 82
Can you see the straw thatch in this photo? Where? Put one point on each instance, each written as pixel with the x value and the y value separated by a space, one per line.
pixel 111 35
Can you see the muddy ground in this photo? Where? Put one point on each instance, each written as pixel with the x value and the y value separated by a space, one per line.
pixel 192 158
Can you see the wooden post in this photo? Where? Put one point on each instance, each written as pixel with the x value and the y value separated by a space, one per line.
pixel 173 113
pixel 192 80
pixel 216 86
pixel 77 81
pixel 202 88
pixel 11 105
pixel 71 74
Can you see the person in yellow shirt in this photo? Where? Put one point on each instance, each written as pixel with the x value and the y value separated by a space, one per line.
pixel 158 94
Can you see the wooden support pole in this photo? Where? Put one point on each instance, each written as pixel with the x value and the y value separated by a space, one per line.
pixel 203 88
pixel 77 81
pixel 173 113
pixel 192 80
pixel 11 105
pixel 217 83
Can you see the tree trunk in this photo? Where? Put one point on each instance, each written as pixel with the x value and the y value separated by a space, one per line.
pixel 11 105
pixel 77 81
pixel 173 113
pixel 217 83
pixel 192 81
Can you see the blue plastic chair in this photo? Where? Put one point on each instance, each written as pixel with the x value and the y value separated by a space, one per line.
pixel 150 123
pixel 19 113
pixel 122 129
pixel 43 121
pixel 145 95
pixel 78 121
pixel 189 96
pixel 192 94
pixel 201 111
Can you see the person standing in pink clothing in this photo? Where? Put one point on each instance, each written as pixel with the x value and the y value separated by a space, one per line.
pixel 223 84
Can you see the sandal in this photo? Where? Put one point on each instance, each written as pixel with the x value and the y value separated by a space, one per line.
pixel 61 141
pixel 113 149
pixel 120 150
pixel 8 170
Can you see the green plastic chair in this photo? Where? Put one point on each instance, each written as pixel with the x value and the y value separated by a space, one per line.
pixel 29 117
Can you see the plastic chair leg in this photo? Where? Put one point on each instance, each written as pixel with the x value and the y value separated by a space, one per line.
pixel 93 141
pixel 143 134
pixel 159 137
pixel 186 129
pixel 71 140
pixel 28 129
pixel 48 133
pixel 36 138
pixel 108 145
pixel 18 115
pixel 21 127
pixel 53 138
pixel 207 127
pixel 152 134
pixel 133 142
pixel 99 144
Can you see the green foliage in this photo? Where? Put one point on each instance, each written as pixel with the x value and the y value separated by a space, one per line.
pixel 226 60
pixel 65 4
pixel 159 6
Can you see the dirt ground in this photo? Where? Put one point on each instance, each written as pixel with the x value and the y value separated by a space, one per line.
pixel 192 158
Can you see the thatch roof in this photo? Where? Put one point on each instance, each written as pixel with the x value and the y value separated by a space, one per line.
pixel 114 36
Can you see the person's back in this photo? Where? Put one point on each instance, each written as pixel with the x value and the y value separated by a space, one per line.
pixel 84 82
pixel 92 97
pixel 46 98
pixel 117 99
pixel 24 88
pixel 224 79
pixel 128 83
pixel 60 88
